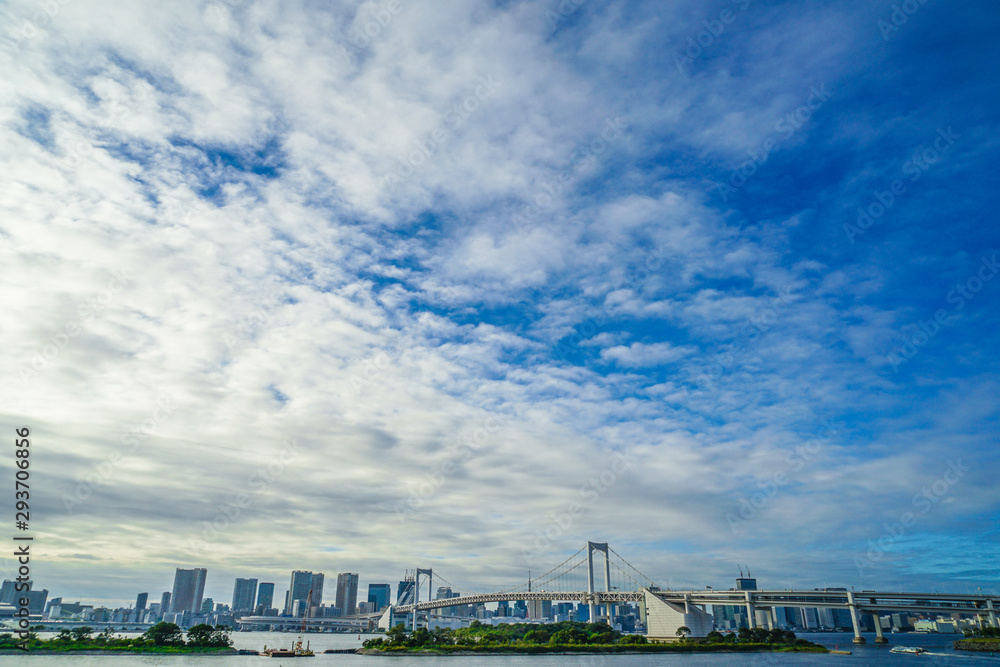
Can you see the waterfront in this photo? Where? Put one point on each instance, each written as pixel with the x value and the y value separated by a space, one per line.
pixel 939 647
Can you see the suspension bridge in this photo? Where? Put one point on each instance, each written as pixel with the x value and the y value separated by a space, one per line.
pixel 663 610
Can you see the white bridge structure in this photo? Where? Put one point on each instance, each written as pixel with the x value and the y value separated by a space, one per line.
pixel 664 610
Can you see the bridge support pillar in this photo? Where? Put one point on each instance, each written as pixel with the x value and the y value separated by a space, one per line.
pixel 751 621
pixel 770 618
pixel 879 637
pixel 993 614
pixel 591 548
pixel 858 639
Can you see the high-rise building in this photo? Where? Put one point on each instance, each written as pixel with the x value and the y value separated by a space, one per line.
pixel 379 595
pixel 347 593
pixel 244 595
pixel 265 595
pixel 36 601
pixel 404 591
pixel 8 592
pixel 189 587
pixel 140 601
pixel 317 589
pixel 539 608
pixel 165 603
pixel 298 590
pixel 207 605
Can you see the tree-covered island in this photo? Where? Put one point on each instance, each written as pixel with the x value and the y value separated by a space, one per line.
pixel 161 638
pixel 571 637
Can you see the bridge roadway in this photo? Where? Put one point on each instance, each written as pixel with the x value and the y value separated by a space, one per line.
pixel 863 601
pixel 856 602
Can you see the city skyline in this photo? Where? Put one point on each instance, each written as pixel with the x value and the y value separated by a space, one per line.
pixel 344 288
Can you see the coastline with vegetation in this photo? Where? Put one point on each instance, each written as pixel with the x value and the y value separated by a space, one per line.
pixel 569 637
pixel 980 639
pixel 162 638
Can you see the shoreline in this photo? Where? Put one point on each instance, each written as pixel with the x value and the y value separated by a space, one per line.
pixel 597 650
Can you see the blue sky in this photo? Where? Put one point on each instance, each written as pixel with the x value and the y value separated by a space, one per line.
pixel 471 256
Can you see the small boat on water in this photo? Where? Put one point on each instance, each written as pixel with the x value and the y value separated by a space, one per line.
pixel 908 649
pixel 297 651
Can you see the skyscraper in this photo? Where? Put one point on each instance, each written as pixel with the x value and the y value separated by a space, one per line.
pixel 265 595
pixel 298 590
pixel 165 603
pixel 244 595
pixel 347 593
pixel 404 591
pixel 317 589
pixel 140 601
pixel 189 587
pixel 379 594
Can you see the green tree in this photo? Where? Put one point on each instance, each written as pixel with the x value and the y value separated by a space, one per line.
pixel 632 639
pixel 82 633
pixel 205 635
pixel 537 637
pixel 683 631
pixel 165 634
pixel 396 635
pixel 745 634
pixel 715 637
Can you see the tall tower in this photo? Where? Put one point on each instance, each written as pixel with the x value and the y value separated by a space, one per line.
pixel 298 590
pixel 244 595
pixel 189 587
pixel 265 595
pixel 347 593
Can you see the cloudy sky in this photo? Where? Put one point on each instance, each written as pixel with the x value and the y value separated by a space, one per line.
pixel 462 284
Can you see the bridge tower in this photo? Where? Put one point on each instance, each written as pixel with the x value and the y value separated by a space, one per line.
pixel 591 548
pixel 416 591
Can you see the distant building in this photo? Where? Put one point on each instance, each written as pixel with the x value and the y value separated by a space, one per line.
pixel 265 595
pixel 378 594
pixel 189 587
pixel 140 601
pixel 347 592
pixel 539 609
pixel 8 592
pixel 207 605
pixel 36 601
pixel 165 603
pixel 404 591
pixel 302 582
pixel 244 595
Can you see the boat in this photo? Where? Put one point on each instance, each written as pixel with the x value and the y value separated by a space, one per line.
pixel 297 651
pixel 908 649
